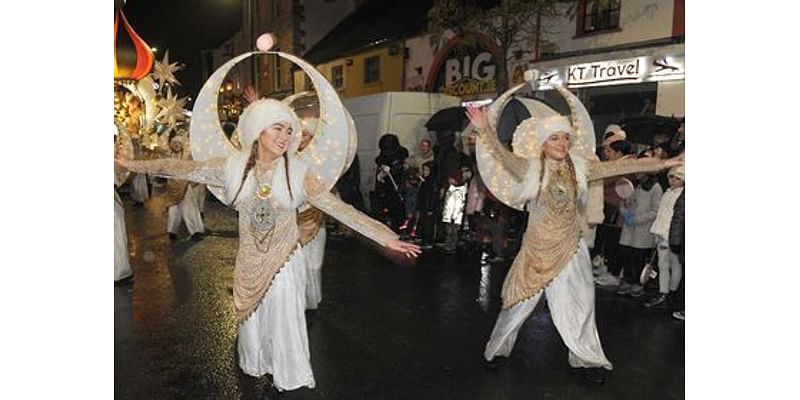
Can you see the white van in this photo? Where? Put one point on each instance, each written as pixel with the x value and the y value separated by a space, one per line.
pixel 401 113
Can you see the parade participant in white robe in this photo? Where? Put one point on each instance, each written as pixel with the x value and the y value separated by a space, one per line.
pixel 266 183
pixel 182 203
pixel 311 224
pixel 122 262
pixel 200 197
pixel 553 257
pixel 140 189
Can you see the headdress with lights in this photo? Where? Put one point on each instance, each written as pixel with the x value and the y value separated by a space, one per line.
pixel 527 142
pixel 327 156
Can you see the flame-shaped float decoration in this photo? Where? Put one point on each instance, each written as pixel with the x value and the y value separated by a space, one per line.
pixel 133 58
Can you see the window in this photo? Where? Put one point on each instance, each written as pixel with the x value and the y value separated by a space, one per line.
pixel 372 69
pixel 337 76
pixel 277 71
pixel 276 9
pixel 598 15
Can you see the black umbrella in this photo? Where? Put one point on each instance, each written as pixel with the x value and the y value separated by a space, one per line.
pixel 513 114
pixel 448 119
pixel 641 129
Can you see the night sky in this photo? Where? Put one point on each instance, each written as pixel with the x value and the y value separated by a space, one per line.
pixel 185 27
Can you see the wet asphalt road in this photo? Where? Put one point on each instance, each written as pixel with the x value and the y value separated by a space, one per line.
pixel 384 330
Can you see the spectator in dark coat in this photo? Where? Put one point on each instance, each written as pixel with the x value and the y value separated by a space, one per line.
pixel 349 186
pixel 447 159
pixel 427 206
pixel 389 180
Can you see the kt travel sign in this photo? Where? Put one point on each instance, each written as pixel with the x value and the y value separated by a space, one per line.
pixel 617 72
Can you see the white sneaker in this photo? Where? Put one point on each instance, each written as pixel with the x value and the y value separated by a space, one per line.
pixel 624 288
pixel 607 279
pixel 599 271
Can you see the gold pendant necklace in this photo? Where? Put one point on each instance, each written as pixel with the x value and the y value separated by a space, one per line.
pixel 264 190
pixel 262 217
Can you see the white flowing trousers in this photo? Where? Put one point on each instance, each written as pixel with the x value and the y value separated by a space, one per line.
pixel 314 252
pixel 200 196
pixel 140 192
pixel 570 297
pixel 274 339
pixel 187 211
pixel 122 262
pixel 670 269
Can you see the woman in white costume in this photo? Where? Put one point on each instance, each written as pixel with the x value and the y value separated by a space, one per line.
pixel 122 262
pixel 311 224
pixel 553 182
pixel 140 189
pixel 182 203
pixel 266 181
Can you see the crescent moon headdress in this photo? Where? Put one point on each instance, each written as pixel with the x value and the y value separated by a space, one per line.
pixel 528 138
pixel 326 156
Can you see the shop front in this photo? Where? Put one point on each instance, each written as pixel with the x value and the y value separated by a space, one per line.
pixel 465 67
pixel 623 84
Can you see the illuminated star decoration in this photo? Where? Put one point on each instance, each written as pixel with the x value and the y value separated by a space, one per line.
pixel 171 109
pixel 163 71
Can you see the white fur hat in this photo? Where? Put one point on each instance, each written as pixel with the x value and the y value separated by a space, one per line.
pixel 550 125
pixel 617 134
pixel 310 124
pixel 260 115
pixel 679 171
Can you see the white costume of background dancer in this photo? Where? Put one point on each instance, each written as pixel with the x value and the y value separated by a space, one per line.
pixel 313 236
pixel 122 262
pixel 550 171
pixel 184 196
pixel 140 191
pixel 266 182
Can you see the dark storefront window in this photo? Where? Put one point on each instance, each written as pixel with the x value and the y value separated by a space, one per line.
pixel 609 104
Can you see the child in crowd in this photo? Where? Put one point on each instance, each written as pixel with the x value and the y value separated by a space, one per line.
pixel 669 266
pixel 410 197
pixel 453 211
pixel 427 205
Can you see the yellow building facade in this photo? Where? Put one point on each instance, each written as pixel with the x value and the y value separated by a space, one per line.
pixel 374 70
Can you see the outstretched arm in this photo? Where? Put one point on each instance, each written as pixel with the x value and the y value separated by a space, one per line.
pixel 322 199
pixel 209 172
pixel 607 169
pixel 514 164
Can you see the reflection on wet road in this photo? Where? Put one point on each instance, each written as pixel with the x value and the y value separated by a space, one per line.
pixel 383 330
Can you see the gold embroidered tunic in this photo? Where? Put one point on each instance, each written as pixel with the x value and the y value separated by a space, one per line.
pixel 263 252
pixel 555 224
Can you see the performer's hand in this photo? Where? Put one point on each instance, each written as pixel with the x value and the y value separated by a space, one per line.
pixel 675 161
pixel 477 116
pixel 250 94
pixel 409 249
